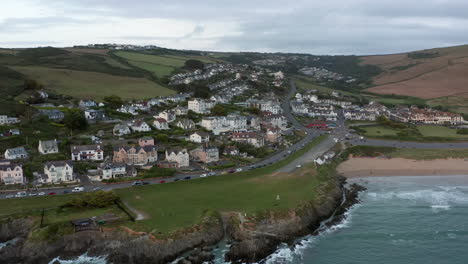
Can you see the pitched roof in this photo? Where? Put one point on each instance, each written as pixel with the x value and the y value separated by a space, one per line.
pixel 59 163
pixel 17 151
pixel 48 144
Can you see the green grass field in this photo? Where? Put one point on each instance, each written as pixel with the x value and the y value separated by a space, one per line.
pixel 82 84
pixel 379 131
pixel 440 131
pixel 430 154
pixel 160 65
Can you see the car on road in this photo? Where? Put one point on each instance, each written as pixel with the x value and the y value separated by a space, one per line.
pixel 239 169
pixel 51 193
pixel 9 196
pixel 211 173
pixel 203 175
pixel 78 189
pixel 299 166
pixel 187 178
pixel 66 191
pixel 21 194
pixel 176 180
pixel 145 183
pixel 137 183
pixel 231 171
pixel 97 188
pixel 41 194
pixel 32 194
pixel 162 181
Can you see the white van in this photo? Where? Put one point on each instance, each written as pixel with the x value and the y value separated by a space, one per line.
pixel 78 189
pixel 21 194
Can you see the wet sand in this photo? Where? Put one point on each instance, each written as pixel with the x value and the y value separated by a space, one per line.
pixel 377 167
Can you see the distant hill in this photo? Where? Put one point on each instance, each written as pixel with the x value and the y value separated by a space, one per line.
pixel 427 74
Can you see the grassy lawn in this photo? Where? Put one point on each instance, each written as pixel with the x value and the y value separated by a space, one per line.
pixel 176 205
pixel 379 131
pixel 158 69
pixel 28 204
pixel 440 131
pixel 308 84
pixel 82 84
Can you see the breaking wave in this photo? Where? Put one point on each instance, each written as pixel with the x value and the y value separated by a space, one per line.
pixel 83 259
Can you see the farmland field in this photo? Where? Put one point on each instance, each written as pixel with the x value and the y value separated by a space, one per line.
pixel 82 84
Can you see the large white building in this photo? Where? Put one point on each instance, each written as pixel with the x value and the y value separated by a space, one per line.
pixel 200 106
pixel 58 171
pixel 221 124
pixel 11 173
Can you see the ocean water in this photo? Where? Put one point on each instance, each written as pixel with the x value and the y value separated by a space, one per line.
pixel 414 220
pixel 400 220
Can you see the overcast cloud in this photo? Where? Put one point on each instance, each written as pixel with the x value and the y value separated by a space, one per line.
pixel 316 27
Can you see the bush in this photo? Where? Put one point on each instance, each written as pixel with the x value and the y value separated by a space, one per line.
pixel 368 151
pixel 223 166
pixel 463 131
pixel 159 172
pixel 99 199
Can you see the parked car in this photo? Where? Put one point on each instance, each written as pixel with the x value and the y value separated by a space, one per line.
pixel 187 178
pixel 203 175
pixel 66 191
pixel 299 166
pixel 97 188
pixel 41 194
pixel 239 169
pixel 145 183
pixel 21 194
pixel 10 196
pixel 176 180
pixel 33 194
pixel 51 193
pixel 78 189
pixel 162 181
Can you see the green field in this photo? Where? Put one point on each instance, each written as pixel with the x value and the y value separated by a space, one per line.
pixel 379 131
pixel 160 65
pixel 308 84
pixel 440 131
pixel 82 84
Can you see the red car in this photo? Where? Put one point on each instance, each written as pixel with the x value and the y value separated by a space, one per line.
pixel 162 181
pixel 51 193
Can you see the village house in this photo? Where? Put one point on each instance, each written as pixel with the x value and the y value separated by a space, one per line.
pixel 87 104
pixel 160 124
pixel 111 170
pixel 16 153
pixel 169 116
pixel 200 106
pixel 140 126
pixel 180 110
pixel 231 151
pixel 14 132
pixel 146 141
pixel 127 109
pixel 121 129
pixel 186 124
pixel 278 121
pixel 360 115
pixel 91 114
pixel 48 147
pixel 199 137
pixel 58 171
pixel 426 116
pixel 205 154
pixel 52 114
pixel 273 135
pixel 222 124
pixel 87 152
pixel 251 138
pixel 5 120
pixel 135 155
pixel 180 156
pixel 11 173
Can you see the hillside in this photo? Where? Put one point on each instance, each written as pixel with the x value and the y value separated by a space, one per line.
pixel 427 74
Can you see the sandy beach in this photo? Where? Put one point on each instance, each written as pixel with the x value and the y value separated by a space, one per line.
pixel 375 167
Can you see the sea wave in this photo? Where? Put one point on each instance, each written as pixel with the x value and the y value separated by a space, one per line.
pixel 83 259
pixel 440 197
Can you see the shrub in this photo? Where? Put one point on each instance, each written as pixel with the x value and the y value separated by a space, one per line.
pixel 99 199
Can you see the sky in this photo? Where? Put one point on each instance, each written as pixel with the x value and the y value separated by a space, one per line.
pixel 319 27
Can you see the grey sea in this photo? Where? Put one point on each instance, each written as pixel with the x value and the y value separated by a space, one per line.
pixel 400 220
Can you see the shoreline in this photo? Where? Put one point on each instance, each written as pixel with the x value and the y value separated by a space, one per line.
pixel 394 167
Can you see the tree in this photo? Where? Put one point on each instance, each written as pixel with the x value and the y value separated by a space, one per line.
pixel 219 110
pixel 193 65
pixel 32 85
pixel 113 101
pixel 75 120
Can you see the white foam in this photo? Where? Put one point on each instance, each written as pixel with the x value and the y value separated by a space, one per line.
pixel 83 259
pixel 7 243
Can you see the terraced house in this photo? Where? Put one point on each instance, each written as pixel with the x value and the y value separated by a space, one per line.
pixel 135 155
pixel 180 156
pixel 87 152
pixel 11 173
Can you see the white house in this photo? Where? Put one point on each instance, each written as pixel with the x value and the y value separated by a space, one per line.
pixel 91 114
pixel 16 153
pixel 127 109
pixel 181 157
pixel 58 171
pixel 199 137
pixel 121 129
pixel 48 146
pixel 200 106
pixel 5 120
pixel 87 152
pixel 168 115
pixel 185 124
pixel 160 124
pixel 140 126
